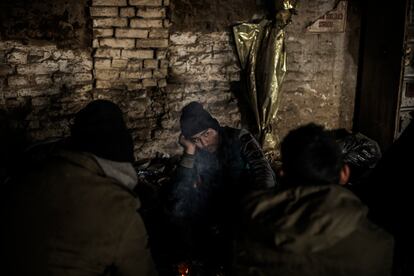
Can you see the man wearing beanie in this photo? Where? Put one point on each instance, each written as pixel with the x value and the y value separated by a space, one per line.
pixel 75 213
pixel 218 164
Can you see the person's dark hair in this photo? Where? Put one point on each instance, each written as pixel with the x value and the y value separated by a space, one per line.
pixel 311 156
pixel 194 119
pixel 99 128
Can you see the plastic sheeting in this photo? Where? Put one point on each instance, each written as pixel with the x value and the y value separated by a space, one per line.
pixel 262 53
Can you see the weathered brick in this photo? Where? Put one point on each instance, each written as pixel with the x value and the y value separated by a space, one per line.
pixel 178 70
pixel 119 63
pixel 17 57
pixel 164 63
pixel 151 63
pixel 37 56
pixel 161 54
pixel 38 68
pixel 116 53
pixel 83 77
pixel 131 33
pixel 68 66
pixel 110 22
pixel 117 43
pixel 198 49
pixel 160 73
pixel 101 84
pixel 102 63
pixel 103 32
pixel 16 81
pixel 68 54
pixel 104 11
pixel 106 74
pixel 95 43
pixel 166 2
pixel 145 2
pixel 136 74
pixel 130 75
pixel 127 12
pixel 117 3
pixel 6 69
pixel 134 64
pixel 152 43
pixel 183 38
pixel 138 54
pixel 151 12
pixel 158 33
pixel 222 46
pixel 146 23
pixel 7 94
pixel 33 92
pixel 72 78
pixel 166 23
pixel 43 80
pixel 134 86
pixel 149 83
pixel 162 83
pixel 234 77
pixel 81 89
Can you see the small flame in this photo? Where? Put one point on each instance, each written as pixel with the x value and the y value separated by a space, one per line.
pixel 183 269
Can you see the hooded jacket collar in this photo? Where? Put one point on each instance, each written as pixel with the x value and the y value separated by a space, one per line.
pixel 122 172
pixel 309 218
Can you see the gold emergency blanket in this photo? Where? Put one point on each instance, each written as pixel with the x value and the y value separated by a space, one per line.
pixel 262 53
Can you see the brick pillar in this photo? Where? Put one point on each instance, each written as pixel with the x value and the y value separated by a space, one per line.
pixel 131 39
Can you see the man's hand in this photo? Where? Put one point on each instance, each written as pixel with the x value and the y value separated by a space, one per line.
pixel 189 147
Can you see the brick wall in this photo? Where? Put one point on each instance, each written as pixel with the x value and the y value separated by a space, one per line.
pixel 130 40
pixel 41 85
pixel 152 67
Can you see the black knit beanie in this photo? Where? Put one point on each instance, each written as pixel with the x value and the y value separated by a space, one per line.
pixel 194 119
pixel 100 129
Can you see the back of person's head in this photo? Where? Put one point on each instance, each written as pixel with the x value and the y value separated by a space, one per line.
pixel 100 129
pixel 311 156
pixel 194 119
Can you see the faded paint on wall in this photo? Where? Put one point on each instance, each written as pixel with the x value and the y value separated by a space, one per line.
pixel 321 80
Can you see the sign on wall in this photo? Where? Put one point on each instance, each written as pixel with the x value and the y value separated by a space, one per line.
pixel 333 21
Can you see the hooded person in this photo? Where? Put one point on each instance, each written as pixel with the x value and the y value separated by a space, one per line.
pixel 218 163
pixel 313 225
pixel 75 213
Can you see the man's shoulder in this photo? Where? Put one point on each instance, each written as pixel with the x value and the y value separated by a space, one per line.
pixel 229 130
pixel 235 133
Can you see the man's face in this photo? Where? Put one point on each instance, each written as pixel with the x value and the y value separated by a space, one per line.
pixel 207 139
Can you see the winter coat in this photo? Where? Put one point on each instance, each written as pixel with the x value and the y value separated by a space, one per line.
pixel 206 180
pixel 75 215
pixel 311 230
pixel 205 195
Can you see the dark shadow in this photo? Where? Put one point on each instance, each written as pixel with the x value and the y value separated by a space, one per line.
pixel 13 140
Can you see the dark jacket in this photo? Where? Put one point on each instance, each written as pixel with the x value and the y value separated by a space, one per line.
pixel 204 197
pixel 68 217
pixel 311 230
pixel 206 181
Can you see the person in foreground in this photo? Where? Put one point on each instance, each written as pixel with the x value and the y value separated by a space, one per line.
pixel 217 164
pixel 75 213
pixel 389 198
pixel 313 226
